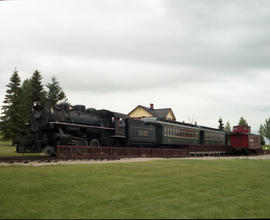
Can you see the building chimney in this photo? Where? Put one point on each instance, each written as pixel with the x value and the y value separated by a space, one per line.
pixel 152 106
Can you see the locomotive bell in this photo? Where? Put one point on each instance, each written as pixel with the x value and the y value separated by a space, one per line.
pixel 79 108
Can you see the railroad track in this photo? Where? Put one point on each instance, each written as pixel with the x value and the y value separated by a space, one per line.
pixel 27 159
pixel 48 159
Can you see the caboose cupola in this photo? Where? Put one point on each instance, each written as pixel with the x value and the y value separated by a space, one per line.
pixel 241 129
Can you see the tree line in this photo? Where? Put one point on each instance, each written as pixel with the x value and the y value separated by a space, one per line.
pixel 227 128
pixel 19 99
pixel 264 130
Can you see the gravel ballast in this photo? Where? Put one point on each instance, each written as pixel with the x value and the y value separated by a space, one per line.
pixel 125 160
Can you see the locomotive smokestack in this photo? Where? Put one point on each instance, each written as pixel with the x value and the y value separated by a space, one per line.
pixel 152 106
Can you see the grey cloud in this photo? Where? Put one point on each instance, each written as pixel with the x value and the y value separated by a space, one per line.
pixel 216 36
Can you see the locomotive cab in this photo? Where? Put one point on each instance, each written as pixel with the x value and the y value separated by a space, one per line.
pixel 113 120
pixel 117 122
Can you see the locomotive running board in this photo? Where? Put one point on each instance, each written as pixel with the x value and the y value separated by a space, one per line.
pixel 83 126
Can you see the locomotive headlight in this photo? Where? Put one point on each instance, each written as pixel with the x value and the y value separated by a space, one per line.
pixel 36 105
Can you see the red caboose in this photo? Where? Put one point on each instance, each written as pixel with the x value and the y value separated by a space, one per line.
pixel 243 141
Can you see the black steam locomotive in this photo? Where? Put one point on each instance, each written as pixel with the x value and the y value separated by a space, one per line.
pixel 64 124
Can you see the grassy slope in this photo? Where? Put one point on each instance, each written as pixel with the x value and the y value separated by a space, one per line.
pixel 156 189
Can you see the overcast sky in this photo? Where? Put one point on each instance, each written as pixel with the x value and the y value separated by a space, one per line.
pixel 204 59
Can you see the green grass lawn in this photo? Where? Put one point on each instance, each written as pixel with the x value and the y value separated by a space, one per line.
pixel 266 147
pixel 155 189
pixel 6 150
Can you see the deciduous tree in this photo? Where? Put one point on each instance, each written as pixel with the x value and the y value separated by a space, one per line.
pixel 265 129
pixel 242 122
pixel 228 127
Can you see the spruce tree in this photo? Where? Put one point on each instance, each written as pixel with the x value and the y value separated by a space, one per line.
pixel 12 122
pixel 38 93
pixel 55 92
pixel 27 97
pixel 221 125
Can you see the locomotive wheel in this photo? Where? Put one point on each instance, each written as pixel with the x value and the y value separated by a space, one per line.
pixel 94 143
pixel 83 143
pixel 48 151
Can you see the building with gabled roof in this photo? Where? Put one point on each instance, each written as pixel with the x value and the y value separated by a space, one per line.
pixel 142 111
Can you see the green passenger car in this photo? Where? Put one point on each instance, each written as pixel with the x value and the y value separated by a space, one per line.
pixel 179 135
pixel 213 137
pixel 174 133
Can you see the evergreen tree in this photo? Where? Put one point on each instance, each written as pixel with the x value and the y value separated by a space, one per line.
pixel 242 122
pixel 38 93
pixel 261 133
pixel 221 125
pixel 31 91
pixel 12 122
pixel 228 127
pixel 27 97
pixel 55 92
pixel 262 140
pixel 261 130
pixel 265 129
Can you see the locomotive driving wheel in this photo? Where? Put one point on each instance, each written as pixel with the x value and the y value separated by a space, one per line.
pixel 83 143
pixel 94 143
pixel 48 151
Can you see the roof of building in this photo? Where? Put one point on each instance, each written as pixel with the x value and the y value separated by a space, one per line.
pixel 161 112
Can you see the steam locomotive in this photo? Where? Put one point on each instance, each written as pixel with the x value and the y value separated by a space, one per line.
pixel 64 124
